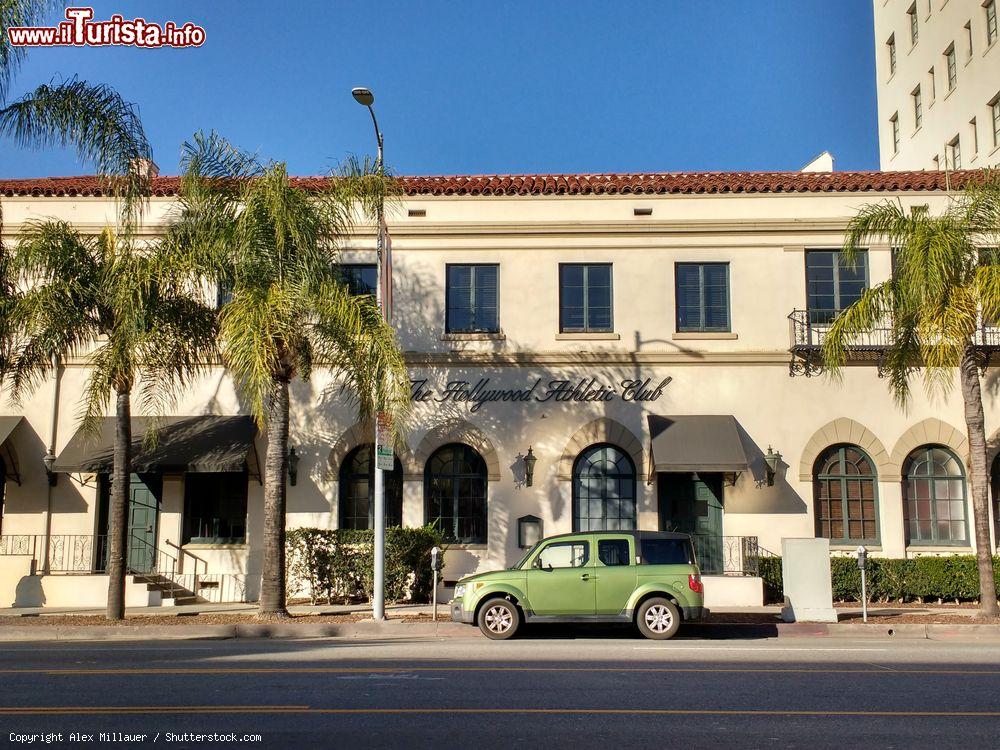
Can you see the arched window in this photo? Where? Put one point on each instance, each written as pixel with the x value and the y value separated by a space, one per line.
pixel 934 497
pixel 357 476
pixel 844 490
pixel 603 490
pixel 455 493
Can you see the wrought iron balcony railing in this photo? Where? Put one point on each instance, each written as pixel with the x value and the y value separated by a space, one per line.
pixel 727 555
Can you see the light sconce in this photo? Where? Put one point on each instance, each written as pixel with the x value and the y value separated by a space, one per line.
pixel 49 460
pixel 529 531
pixel 293 466
pixel 773 460
pixel 529 467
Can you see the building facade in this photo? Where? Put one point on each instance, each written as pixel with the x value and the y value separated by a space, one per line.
pixel 651 339
pixel 938 83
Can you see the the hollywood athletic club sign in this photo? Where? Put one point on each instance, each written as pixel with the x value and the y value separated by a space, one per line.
pixel 585 390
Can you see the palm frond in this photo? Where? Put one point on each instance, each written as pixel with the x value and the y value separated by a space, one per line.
pixel 99 124
pixel 13 14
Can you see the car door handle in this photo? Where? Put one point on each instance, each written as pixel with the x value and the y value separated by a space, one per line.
pixel 586 577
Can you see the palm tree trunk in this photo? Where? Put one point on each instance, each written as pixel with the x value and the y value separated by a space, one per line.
pixel 118 507
pixel 272 586
pixel 979 480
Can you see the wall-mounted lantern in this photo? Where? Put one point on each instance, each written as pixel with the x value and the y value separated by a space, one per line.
pixel 773 461
pixel 529 531
pixel 293 466
pixel 529 467
pixel 49 460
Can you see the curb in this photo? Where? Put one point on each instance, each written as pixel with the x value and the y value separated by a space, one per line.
pixel 400 630
pixel 390 630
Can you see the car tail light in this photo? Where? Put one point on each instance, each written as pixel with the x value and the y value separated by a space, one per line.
pixel 695 584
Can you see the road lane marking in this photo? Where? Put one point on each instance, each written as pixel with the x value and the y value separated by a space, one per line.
pixel 101 710
pixel 746 648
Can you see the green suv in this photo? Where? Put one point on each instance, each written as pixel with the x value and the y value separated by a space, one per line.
pixel 646 577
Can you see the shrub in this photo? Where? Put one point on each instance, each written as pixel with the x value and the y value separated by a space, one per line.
pixel 338 564
pixel 927 578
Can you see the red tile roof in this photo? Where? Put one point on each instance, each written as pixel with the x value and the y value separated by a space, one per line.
pixel 663 183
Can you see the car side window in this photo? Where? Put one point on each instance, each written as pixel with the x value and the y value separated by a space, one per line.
pixel 564 555
pixel 613 552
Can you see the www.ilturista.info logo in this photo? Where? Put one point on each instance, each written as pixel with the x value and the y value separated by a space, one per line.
pixel 80 30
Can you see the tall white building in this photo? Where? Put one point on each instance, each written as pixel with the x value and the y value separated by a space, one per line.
pixel 938 80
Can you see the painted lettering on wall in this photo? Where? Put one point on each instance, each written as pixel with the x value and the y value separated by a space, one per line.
pixel 585 390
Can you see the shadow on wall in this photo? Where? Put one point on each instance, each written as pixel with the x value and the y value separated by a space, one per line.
pixel 755 496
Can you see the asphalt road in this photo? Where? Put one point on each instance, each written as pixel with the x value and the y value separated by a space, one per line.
pixel 548 692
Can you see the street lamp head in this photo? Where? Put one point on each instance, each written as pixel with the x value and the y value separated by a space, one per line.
pixel 363 96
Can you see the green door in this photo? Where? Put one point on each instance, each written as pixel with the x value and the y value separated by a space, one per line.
pixel 692 504
pixel 562 579
pixel 616 573
pixel 143 514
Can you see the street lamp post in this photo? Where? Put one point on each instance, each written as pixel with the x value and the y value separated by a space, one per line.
pixel 366 98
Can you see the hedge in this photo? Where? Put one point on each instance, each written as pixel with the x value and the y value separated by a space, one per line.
pixel 921 579
pixel 338 564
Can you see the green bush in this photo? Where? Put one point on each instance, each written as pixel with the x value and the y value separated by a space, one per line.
pixel 925 579
pixel 338 564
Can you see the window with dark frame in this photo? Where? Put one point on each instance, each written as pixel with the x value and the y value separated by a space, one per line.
pixel 455 482
pixel 604 490
pixel 949 56
pixel 613 552
pixel 918 108
pixel 831 284
pixel 215 508
pixel 934 498
pixel 845 495
pixel 702 297
pixel 356 479
pixel 585 298
pixel 891 44
pixel 991 22
pixel 914 25
pixel 223 293
pixel 360 278
pixel 472 294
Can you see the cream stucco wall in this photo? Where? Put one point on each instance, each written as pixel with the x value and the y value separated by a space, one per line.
pixel 746 373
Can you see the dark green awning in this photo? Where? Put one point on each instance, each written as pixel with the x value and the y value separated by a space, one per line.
pixel 183 444
pixel 697 443
pixel 12 470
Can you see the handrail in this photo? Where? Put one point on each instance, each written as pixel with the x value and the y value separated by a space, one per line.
pixel 190 554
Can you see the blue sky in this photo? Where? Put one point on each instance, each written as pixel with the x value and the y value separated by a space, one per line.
pixel 494 86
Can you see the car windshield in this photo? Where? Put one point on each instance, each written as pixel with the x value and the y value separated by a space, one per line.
pixel 524 559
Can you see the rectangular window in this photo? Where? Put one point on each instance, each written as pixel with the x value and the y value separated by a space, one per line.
pixel 702 293
pixel 473 298
pixel 585 297
pixel 937 162
pixel 894 120
pixel 918 108
pixel 933 83
pixel 995 116
pixel 563 555
pixel 360 278
pixel 832 285
pixel 656 551
pixel 949 55
pixel 953 154
pixel 914 25
pixel 613 552
pixel 223 293
pixel 974 132
pixel 991 22
pixel 215 508
pixel 891 44
pixel 968 40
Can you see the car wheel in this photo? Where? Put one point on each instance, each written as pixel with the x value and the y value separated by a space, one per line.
pixel 499 619
pixel 658 619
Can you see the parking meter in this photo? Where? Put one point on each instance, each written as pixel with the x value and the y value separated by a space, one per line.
pixel 863 567
pixel 437 562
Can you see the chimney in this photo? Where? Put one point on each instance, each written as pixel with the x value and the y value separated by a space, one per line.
pixel 145 168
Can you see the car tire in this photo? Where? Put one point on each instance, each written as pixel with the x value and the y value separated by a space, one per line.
pixel 658 619
pixel 499 619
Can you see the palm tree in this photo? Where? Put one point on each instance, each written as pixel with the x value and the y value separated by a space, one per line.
pixel 273 244
pixel 134 322
pixel 943 287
